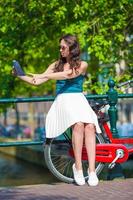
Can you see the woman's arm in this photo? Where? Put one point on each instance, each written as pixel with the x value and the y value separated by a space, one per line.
pixel 50 69
pixel 67 74
pixel 59 75
pixel 35 79
pixel 32 81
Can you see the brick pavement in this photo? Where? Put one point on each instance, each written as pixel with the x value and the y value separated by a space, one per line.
pixel 110 190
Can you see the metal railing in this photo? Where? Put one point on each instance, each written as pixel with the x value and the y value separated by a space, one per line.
pixel 112 97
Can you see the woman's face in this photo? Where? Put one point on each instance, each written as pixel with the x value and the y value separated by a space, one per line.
pixel 64 49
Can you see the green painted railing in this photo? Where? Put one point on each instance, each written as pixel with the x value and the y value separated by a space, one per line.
pixel 112 97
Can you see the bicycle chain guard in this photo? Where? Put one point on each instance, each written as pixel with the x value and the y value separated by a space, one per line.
pixel 106 153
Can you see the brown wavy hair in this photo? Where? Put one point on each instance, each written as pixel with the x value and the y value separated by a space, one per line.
pixel 74 49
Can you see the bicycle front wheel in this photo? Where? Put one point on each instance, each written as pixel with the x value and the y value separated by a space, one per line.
pixel 59 159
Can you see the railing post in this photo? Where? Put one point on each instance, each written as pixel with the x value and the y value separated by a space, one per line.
pixel 112 98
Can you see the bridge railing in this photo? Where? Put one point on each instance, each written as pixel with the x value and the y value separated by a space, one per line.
pixel 112 97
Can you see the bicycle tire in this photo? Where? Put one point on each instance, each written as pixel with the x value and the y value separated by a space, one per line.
pixel 59 161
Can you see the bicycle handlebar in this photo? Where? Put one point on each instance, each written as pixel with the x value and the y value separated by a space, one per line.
pixel 124 83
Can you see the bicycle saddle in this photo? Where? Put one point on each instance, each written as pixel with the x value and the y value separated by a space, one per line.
pixel 97 105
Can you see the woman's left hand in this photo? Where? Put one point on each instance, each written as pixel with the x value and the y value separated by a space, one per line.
pixel 34 79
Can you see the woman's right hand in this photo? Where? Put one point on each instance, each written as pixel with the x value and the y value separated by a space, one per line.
pixel 13 72
pixel 34 75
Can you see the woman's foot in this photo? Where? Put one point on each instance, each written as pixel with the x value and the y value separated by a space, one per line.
pixel 78 176
pixel 93 179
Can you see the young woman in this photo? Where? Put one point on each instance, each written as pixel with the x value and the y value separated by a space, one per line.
pixel 70 107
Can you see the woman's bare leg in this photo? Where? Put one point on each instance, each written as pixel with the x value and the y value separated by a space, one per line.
pixel 90 143
pixel 77 142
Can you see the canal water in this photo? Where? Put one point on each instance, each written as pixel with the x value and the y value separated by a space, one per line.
pixel 15 172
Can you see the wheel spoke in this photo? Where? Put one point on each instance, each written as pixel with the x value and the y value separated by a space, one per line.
pixel 59 161
pixel 68 170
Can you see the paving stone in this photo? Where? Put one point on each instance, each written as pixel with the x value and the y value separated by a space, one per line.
pixel 111 190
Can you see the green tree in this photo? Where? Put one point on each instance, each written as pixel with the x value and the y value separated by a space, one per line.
pixel 29 32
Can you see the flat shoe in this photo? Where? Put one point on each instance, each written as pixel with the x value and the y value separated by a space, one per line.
pixel 78 176
pixel 92 180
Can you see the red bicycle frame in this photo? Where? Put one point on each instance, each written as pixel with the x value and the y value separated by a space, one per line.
pixel 117 140
pixel 107 152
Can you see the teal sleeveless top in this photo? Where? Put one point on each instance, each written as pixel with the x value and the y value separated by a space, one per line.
pixel 72 85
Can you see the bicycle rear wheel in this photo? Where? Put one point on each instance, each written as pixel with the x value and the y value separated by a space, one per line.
pixel 59 160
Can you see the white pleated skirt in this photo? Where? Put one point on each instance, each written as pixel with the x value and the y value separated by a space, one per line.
pixel 66 110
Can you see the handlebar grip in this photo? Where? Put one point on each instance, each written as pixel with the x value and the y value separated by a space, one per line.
pixel 124 83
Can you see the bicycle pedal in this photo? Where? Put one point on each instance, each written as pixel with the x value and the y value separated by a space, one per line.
pixel 119 154
pixel 111 165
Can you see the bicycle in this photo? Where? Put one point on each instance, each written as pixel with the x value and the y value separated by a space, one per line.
pixel 59 156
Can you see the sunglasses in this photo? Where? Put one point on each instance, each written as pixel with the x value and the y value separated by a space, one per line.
pixel 63 48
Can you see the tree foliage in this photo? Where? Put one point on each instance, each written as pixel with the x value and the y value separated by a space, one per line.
pixel 30 30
